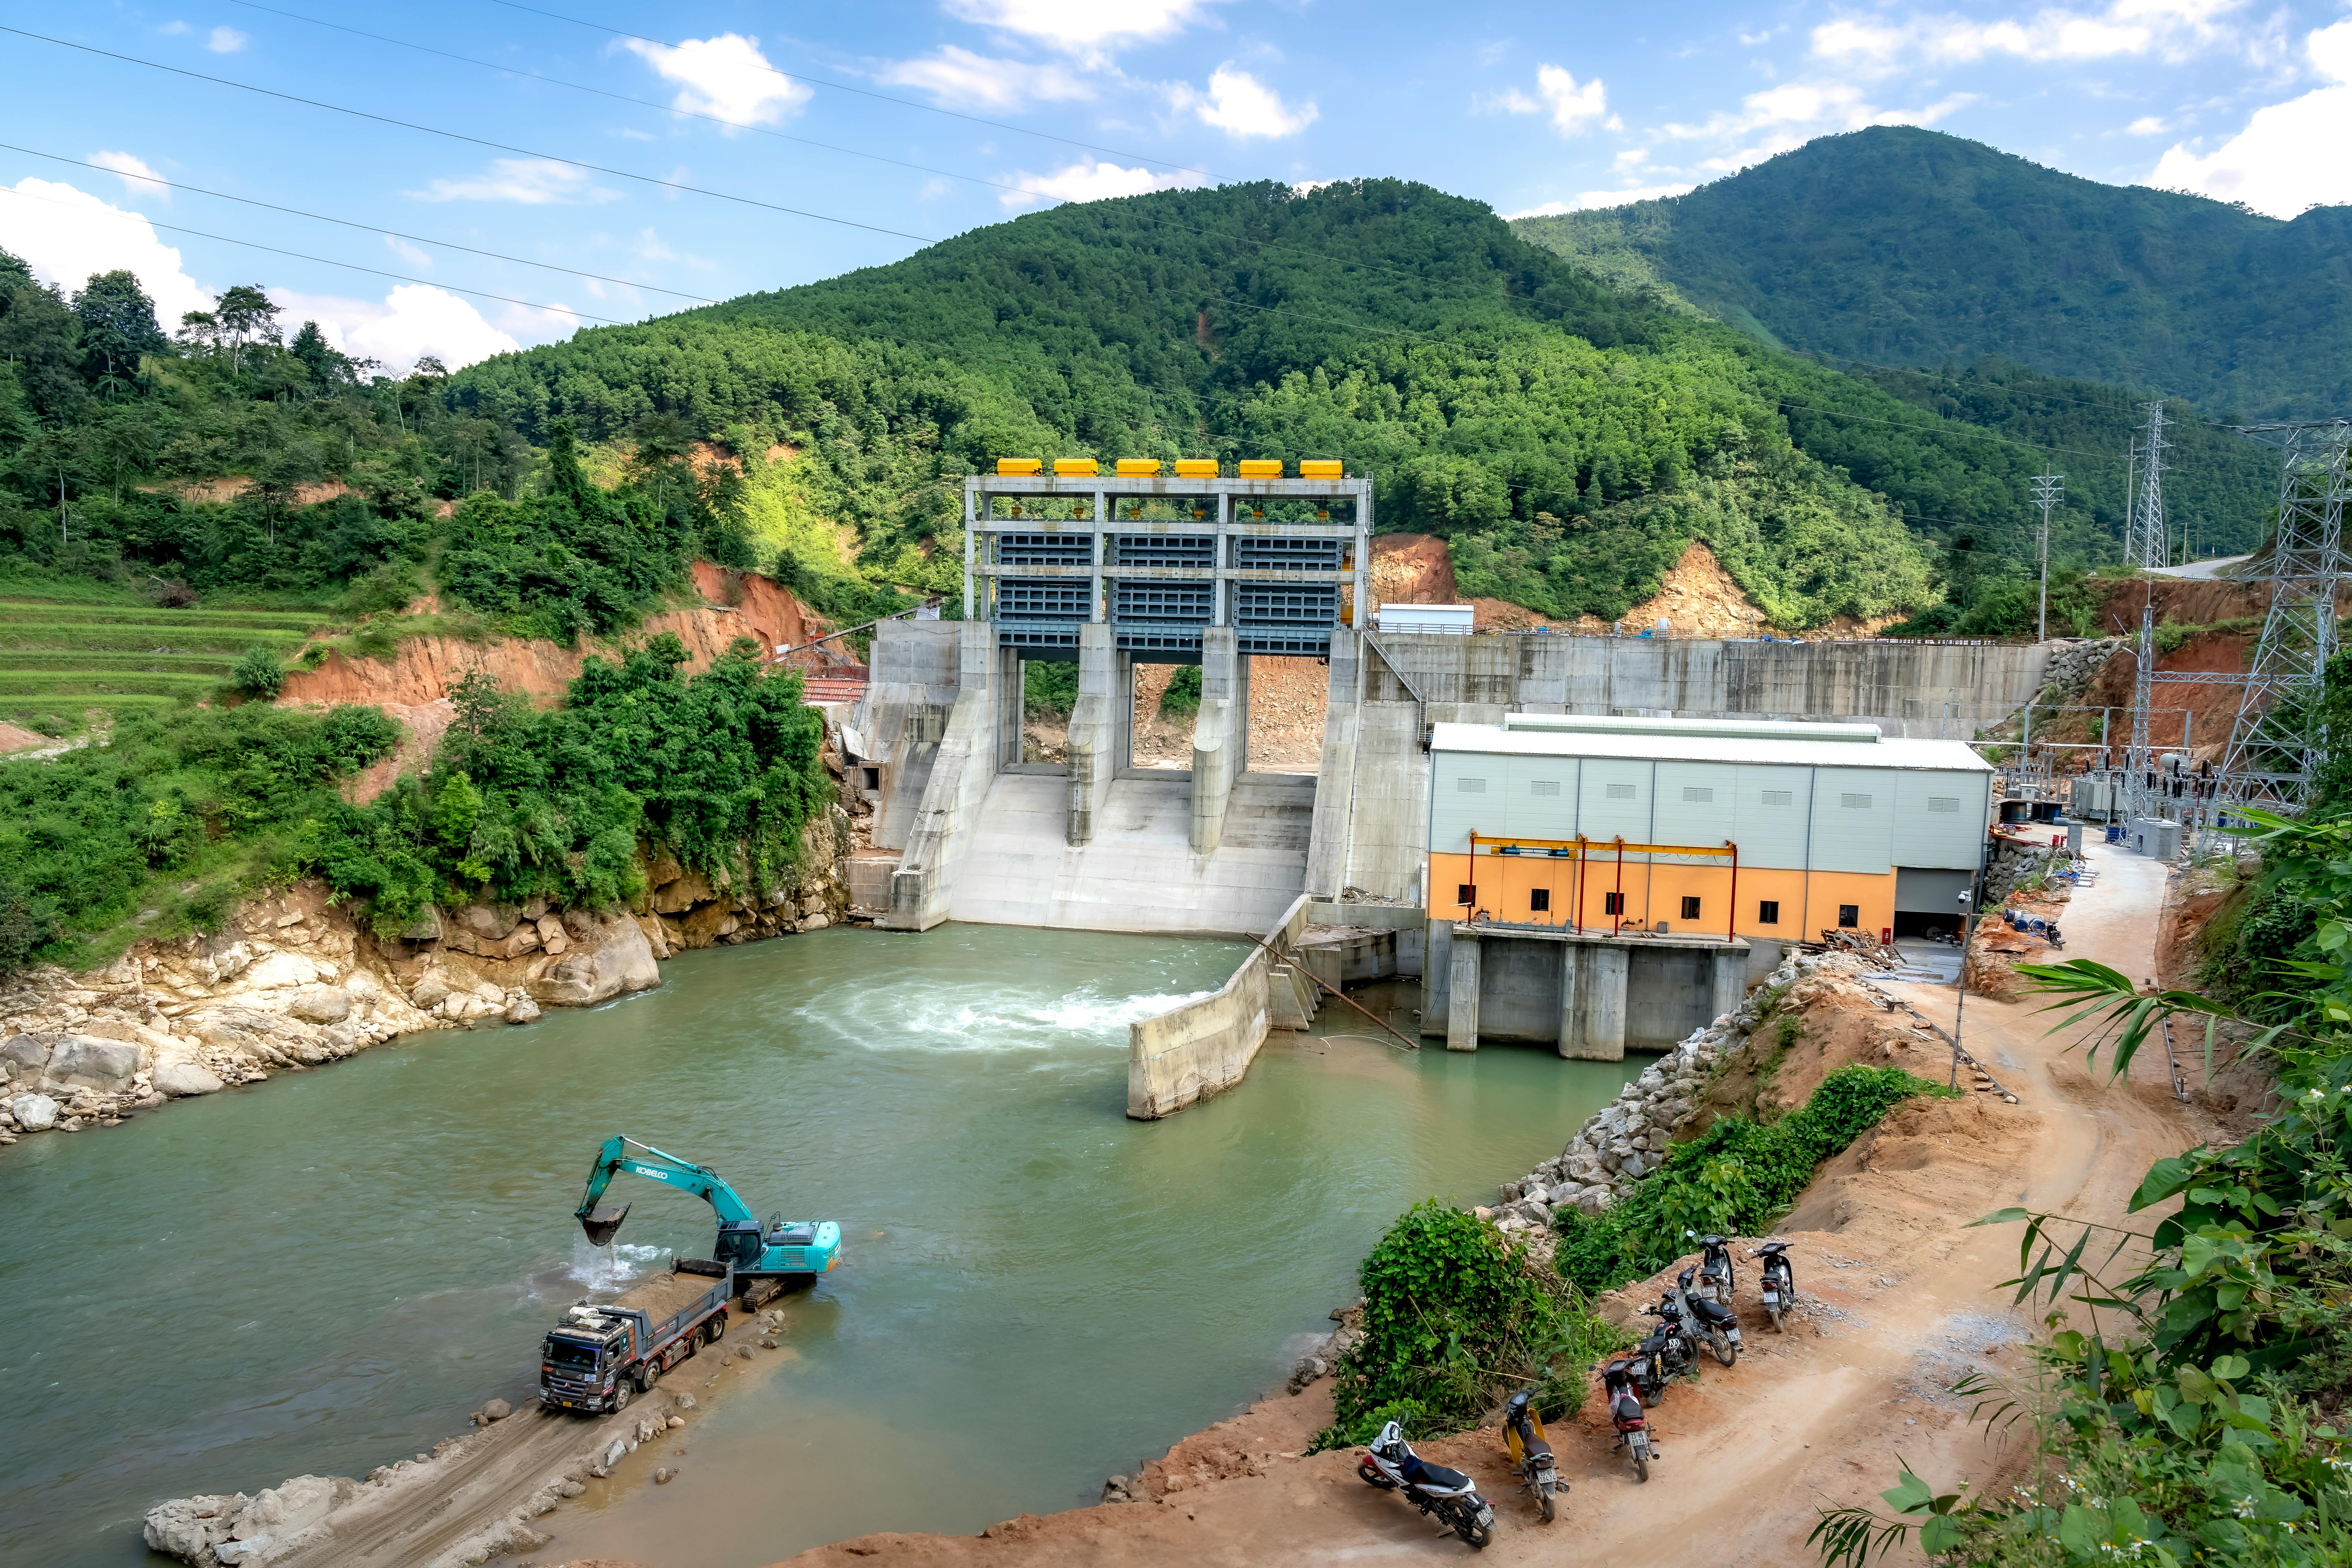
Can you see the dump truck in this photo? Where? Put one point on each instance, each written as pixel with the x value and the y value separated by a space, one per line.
pixel 604 1352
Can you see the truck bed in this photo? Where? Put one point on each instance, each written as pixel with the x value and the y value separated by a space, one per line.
pixel 666 1295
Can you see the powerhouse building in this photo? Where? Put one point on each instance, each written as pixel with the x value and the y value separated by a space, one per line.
pixel 1764 830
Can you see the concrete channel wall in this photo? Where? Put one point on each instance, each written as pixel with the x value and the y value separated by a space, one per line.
pixel 1190 1052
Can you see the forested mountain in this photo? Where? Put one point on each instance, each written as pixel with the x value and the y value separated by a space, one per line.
pixel 1896 245
pixel 1568 437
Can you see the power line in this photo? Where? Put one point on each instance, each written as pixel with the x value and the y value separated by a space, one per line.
pixel 347 222
pixel 476 141
pixel 351 266
pixel 868 93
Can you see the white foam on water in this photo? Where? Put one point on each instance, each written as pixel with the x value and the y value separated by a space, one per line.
pixel 961 1023
pixel 610 1268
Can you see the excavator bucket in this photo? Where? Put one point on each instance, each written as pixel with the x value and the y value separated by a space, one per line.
pixel 603 1222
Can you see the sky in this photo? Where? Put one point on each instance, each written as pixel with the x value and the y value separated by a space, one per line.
pixel 465 179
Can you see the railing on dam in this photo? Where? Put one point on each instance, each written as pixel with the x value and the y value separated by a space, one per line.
pixel 1190 1052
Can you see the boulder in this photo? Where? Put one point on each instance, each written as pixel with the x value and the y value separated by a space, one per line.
pixel 550 935
pixel 189 1528
pixel 426 927
pixel 609 956
pixel 85 1061
pixel 708 923
pixel 26 1056
pixel 321 1004
pixel 682 892
pixel 153 1044
pixel 815 923
pixel 430 990
pixel 177 1078
pixel 488 923
pixel 279 970
pixel 522 1010
pixel 34 1112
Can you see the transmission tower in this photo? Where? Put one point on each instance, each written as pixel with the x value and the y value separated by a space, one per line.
pixel 2147 538
pixel 2047 489
pixel 2275 746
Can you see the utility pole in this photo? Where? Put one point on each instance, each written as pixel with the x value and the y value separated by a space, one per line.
pixel 2047 489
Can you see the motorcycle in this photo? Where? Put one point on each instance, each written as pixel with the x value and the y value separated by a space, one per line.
pixel 1780 1282
pixel 1531 1452
pixel 1668 1353
pixel 1622 1387
pixel 1717 1277
pixel 1709 1322
pixel 1390 1464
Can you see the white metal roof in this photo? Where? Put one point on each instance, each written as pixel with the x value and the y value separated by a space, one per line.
pixel 1710 741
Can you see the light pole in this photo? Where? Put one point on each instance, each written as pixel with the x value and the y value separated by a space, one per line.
pixel 2047 488
pixel 1968 914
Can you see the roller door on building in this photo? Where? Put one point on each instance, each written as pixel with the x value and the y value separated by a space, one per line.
pixel 1926 890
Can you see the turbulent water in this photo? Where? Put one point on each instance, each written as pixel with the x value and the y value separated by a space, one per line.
pixel 325 1272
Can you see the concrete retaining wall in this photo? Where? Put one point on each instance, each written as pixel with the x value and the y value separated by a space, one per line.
pixel 1186 1055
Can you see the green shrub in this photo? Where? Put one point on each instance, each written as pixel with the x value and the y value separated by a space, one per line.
pixel 26 926
pixel 1734 1179
pixel 257 673
pixel 1182 698
pixel 388 589
pixel 1454 1317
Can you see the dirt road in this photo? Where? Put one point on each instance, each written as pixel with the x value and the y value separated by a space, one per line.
pixel 1901 1305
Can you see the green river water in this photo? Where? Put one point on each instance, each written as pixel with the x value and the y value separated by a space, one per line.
pixel 324 1272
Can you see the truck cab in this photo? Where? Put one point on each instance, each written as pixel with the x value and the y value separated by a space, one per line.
pixel 581 1362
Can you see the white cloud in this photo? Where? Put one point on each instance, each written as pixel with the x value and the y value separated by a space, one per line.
pixel 65 235
pixel 958 76
pixel 172 29
pixel 1240 105
pixel 532 182
pixel 1089 180
pixel 1779 118
pixel 1590 200
pixel 2147 125
pixel 2170 29
pixel 224 40
pixel 2279 163
pixel 1088 27
pixel 129 166
pixel 1573 108
pixel 411 253
pixel 1509 100
pixel 414 320
pixel 726 76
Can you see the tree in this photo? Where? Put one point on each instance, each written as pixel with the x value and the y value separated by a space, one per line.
pixel 118 324
pixel 125 438
pixel 245 314
pixel 659 441
pixel 38 336
pixel 329 370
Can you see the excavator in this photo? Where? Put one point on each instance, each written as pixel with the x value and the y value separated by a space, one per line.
pixel 760 1256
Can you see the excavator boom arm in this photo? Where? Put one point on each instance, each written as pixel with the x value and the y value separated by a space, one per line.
pixel 619 1154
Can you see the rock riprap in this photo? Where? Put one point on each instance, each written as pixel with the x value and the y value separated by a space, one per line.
pixel 1628 1139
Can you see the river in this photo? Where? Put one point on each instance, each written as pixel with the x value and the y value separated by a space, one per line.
pixel 324 1272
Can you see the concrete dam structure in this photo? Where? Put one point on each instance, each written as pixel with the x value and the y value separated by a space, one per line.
pixel 1097 843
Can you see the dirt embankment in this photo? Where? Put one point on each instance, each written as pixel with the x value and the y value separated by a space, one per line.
pixel 737 604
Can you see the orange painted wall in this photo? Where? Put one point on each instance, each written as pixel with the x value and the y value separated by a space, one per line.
pixel 1654 893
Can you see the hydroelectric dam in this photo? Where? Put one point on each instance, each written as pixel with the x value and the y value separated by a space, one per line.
pixel 1111 573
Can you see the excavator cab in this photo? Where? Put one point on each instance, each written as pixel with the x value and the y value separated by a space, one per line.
pixel 739 1244
pixel 604 1222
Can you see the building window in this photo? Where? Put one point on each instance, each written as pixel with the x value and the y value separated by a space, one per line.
pixel 1690 908
pixel 1697 793
pixel 1539 900
pixel 1949 803
pixel 1612 903
pixel 1778 797
pixel 1464 892
pixel 1470 786
pixel 1849 916
pixel 1543 787
pixel 1851 801
pixel 1621 792
pixel 1767 911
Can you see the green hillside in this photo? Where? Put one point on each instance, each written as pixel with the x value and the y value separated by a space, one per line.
pixel 1903 247
pixel 1568 437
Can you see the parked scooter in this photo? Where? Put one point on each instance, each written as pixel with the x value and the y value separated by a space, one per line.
pixel 1452 1497
pixel 1531 1452
pixel 1620 1386
pixel 1668 1352
pixel 1709 1321
pixel 1717 1277
pixel 1780 1282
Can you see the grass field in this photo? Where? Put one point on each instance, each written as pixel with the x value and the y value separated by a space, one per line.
pixel 66 660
